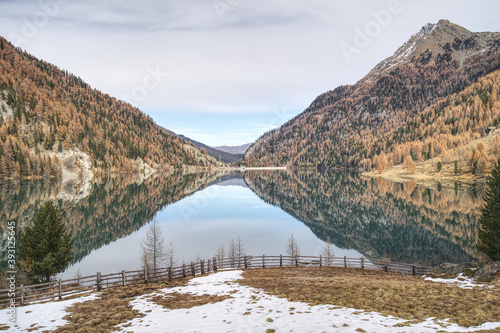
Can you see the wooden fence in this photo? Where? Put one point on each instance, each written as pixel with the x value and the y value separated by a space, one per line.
pixel 57 290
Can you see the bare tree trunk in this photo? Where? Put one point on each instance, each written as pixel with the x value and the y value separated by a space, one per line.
pixel 292 247
pixel 328 253
pixel 153 247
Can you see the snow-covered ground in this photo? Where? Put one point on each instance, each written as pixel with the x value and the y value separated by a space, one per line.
pixel 45 316
pixel 247 310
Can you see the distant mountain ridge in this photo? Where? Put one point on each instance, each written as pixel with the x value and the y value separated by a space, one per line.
pixel 342 128
pixel 235 149
pixel 221 155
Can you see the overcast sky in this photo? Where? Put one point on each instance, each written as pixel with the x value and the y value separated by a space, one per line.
pixel 225 71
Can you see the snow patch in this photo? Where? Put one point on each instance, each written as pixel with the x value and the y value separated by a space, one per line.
pixel 247 310
pixel 461 281
pixel 44 316
pixel 252 310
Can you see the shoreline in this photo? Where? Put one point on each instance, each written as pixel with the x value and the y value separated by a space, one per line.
pixel 251 168
pixel 425 177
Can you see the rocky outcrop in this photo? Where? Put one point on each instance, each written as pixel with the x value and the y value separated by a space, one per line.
pixel 485 273
pixel 488 272
pixel 449 269
pixel 76 175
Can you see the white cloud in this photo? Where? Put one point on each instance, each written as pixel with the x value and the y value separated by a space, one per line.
pixel 261 55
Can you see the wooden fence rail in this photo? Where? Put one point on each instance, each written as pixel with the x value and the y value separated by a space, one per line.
pixel 57 290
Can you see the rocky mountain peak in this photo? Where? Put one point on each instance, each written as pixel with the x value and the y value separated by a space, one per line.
pixel 436 43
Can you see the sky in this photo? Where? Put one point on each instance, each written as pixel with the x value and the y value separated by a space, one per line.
pixel 224 72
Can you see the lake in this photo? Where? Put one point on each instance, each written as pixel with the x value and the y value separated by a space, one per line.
pixel 359 216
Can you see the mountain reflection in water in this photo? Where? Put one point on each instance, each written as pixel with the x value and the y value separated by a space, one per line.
pixel 372 217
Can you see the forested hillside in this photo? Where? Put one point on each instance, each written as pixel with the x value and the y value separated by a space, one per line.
pixel 448 132
pixel 343 127
pixel 45 110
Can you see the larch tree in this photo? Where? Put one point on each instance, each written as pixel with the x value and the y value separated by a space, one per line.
pixel 489 229
pixel 232 252
pixel 171 255
pixel 240 246
pixel 380 168
pixel 292 247
pixel 328 253
pixel 221 255
pixel 410 166
pixel 153 247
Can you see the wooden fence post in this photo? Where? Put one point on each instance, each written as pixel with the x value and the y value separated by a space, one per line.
pixel 184 270
pixel 345 262
pixel 202 265
pixel 146 277
pixel 281 260
pixel 296 260
pixel 320 261
pixel 385 264
pixel 22 294
pixel 170 275
pixel 209 265
pixel 413 269
pixel 245 261
pixel 193 269
pixel 60 288
pixel 263 261
pixel 98 281
pixel 362 263
pixel 215 264
pixel 124 278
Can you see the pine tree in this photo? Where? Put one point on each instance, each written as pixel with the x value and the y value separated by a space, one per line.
pixel 489 230
pixel 45 247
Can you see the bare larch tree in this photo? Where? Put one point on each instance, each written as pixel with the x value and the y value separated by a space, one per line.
pixel 292 247
pixel 153 247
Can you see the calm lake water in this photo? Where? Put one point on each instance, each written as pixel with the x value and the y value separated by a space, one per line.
pixel 198 212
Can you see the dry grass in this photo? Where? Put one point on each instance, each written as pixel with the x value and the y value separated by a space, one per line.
pixel 408 297
pixel 111 309
pixel 186 301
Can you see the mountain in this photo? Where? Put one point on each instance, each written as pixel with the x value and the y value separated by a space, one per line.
pixel 221 155
pixel 46 113
pixel 436 43
pixel 440 60
pixel 454 136
pixel 235 149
